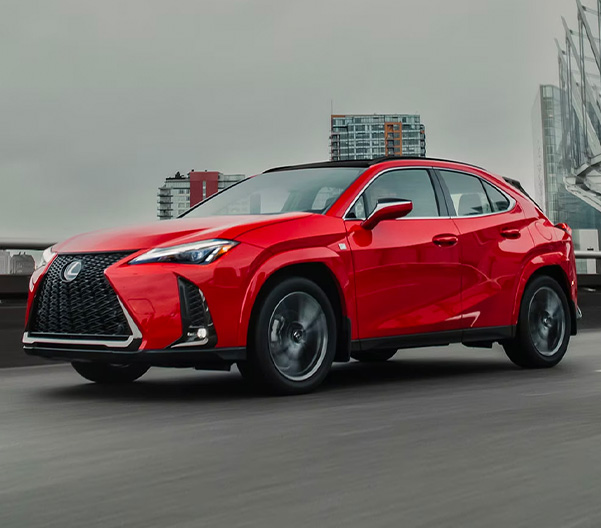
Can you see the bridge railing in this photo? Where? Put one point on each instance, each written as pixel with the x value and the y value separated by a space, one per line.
pixel 588 254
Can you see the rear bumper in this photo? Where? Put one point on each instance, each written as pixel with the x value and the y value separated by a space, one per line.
pixel 198 358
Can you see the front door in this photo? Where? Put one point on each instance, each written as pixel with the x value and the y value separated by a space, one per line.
pixel 407 271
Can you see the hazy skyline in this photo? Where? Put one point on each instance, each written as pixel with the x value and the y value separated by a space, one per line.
pixel 101 101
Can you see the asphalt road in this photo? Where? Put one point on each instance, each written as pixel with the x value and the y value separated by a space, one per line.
pixel 446 437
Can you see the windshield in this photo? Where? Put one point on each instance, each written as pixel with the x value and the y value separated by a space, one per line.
pixel 286 191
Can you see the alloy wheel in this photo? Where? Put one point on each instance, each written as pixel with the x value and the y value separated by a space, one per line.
pixel 546 321
pixel 298 336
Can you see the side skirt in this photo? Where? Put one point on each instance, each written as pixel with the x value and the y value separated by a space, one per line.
pixel 481 337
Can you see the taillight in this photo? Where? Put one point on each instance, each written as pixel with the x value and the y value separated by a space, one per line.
pixel 564 227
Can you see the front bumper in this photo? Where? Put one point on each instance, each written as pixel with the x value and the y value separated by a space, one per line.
pixel 157 321
pixel 200 358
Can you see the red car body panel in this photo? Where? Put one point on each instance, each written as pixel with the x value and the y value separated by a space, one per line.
pixel 404 283
pixel 150 293
pixel 392 280
pixel 169 233
pixel 490 265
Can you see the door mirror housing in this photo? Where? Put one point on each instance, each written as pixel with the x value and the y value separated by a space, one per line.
pixel 387 210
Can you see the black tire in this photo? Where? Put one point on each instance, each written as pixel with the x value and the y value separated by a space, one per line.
pixel 109 374
pixel 542 337
pixel 286 354
pixel 373 356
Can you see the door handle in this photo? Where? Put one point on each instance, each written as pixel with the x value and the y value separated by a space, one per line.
pixel 511 233
pixel 445 240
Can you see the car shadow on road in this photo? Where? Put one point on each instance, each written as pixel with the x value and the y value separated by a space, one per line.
pixel 402 374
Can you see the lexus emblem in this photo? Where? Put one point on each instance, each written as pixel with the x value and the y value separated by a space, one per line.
pixel 71 270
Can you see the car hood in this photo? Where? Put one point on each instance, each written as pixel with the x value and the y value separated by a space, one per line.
pixel 170 232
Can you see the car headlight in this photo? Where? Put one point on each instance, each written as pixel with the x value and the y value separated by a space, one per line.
pixel 46 257
pixel 202 252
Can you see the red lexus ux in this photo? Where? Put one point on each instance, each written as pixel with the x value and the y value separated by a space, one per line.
pixel 291 270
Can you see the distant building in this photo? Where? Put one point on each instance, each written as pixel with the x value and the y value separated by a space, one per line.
pixel 552 178
pixel 548 171
pixel 4 262
pixel 179 193
pixel 22 264
pixel 357 136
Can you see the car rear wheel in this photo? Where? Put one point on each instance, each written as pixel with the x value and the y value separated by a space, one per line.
pixel 544 324
pixel 293 340
pixel 108 374
pixel 373 356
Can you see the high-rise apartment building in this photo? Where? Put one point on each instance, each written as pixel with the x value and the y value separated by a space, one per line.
pixel 180 192
pixel 357 136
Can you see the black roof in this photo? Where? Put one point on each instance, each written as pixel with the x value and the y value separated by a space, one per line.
pixel 361 163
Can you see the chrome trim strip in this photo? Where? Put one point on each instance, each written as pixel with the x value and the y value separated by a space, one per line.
pixel 135 334
pixel 512 201
pixel 192 343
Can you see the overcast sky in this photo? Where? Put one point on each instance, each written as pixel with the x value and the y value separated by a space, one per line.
pixel 101 100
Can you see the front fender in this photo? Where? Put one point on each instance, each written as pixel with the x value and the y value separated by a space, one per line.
pixel 339 265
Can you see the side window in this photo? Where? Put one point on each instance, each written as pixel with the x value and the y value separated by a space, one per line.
pixel 467 193
pixel 358 210
pixel 498 200
pixel 402 184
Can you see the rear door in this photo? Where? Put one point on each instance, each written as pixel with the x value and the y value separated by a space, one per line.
pixel 493 239
pixel 407 271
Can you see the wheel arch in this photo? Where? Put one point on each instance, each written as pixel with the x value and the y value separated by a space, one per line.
pixel 555 271
pixel 328 272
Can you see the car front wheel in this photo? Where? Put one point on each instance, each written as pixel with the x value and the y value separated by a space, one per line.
pixel 293 340
pixel 109 374
pixel 544 325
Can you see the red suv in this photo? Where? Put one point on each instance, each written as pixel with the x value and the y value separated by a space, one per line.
pixel 298 267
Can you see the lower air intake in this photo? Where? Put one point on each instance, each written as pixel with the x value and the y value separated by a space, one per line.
pixel 197 324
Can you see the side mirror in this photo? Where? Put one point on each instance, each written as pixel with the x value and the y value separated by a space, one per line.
pixel 387 210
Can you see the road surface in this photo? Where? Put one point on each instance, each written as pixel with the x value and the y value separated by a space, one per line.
pixel 445 437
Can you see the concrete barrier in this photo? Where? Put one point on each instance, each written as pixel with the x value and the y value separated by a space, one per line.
pixel 14 286
pixel 12 318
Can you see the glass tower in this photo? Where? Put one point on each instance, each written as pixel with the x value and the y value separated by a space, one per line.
pixel 554 190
